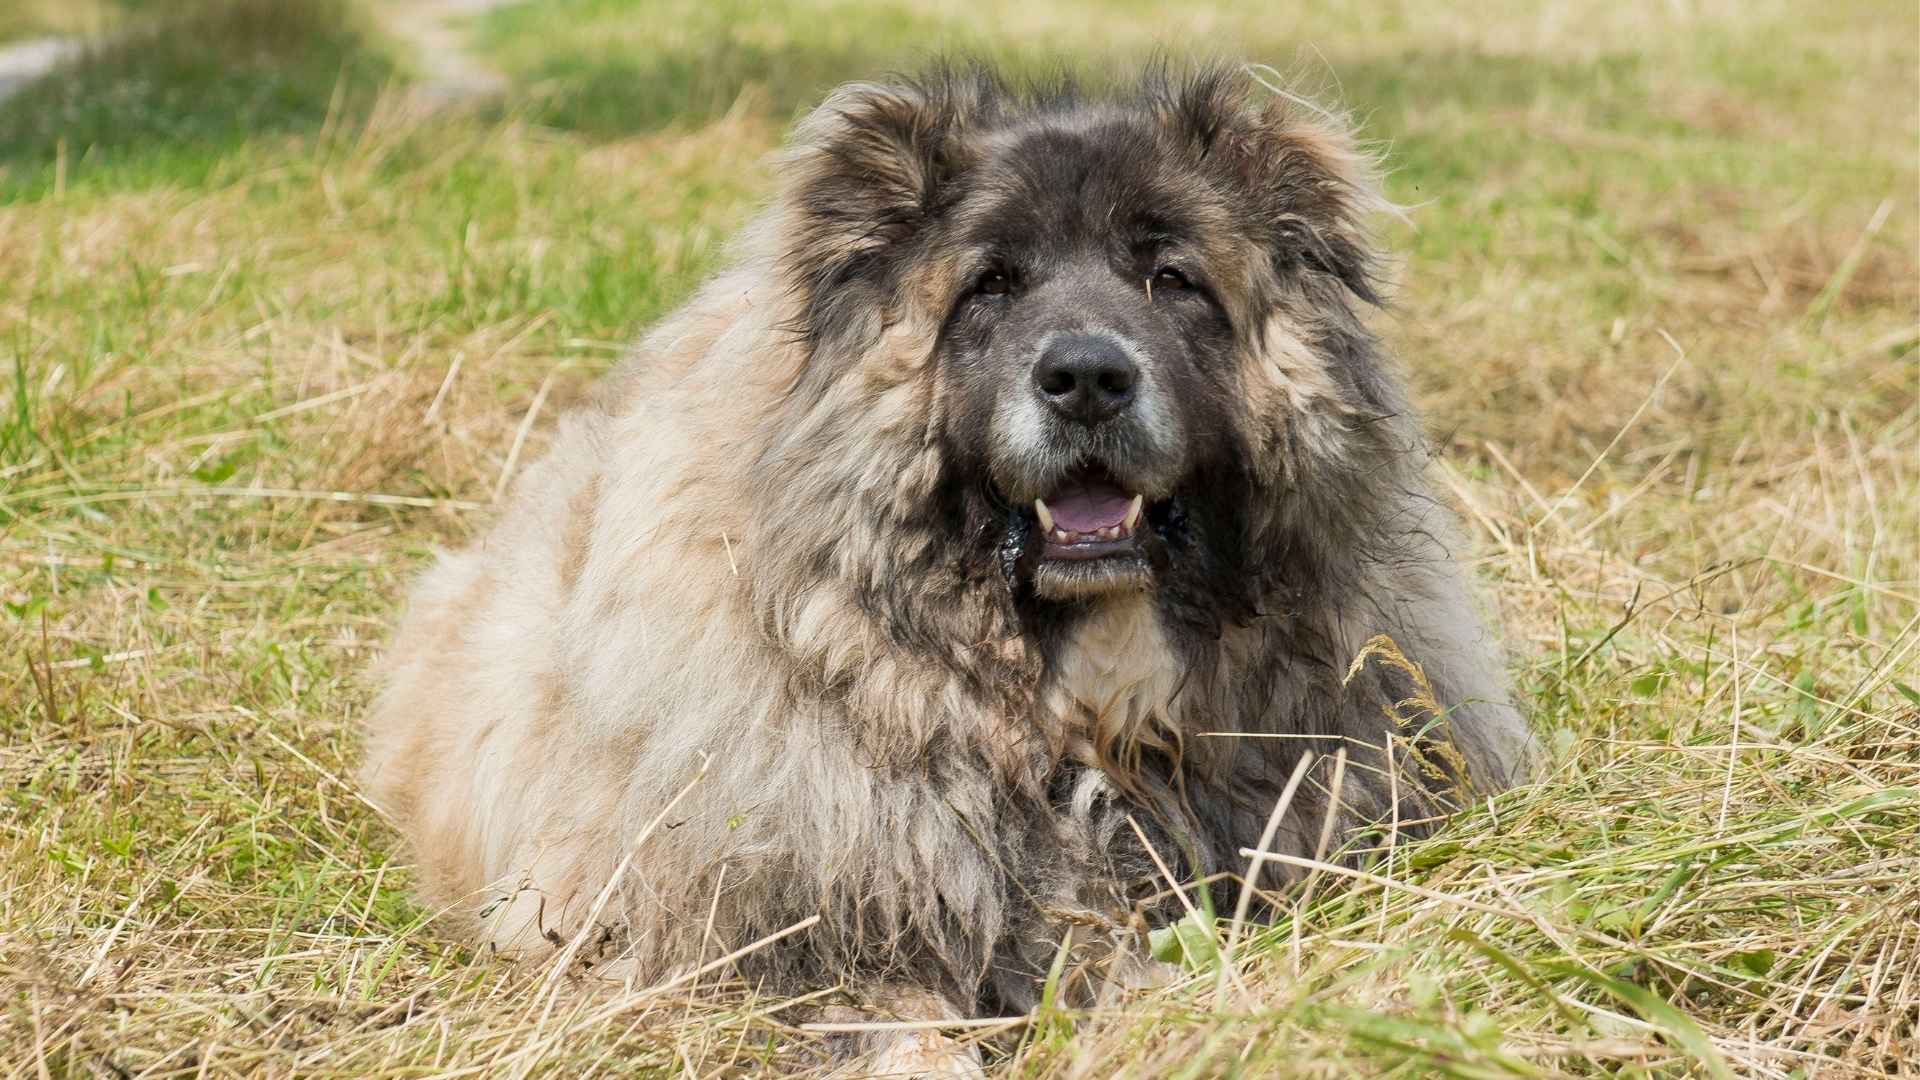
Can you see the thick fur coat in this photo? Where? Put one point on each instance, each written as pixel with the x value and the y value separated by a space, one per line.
pixel 775 629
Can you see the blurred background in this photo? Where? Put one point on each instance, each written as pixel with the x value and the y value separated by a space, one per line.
pixel 1580 173
pixel 290 289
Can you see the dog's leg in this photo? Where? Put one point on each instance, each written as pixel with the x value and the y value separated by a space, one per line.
pixel 905 1052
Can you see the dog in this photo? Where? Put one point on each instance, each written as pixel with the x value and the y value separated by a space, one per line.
pixel 989 543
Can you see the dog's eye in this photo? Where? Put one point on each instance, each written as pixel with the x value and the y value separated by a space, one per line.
pixel 1170 279
pixel 993 283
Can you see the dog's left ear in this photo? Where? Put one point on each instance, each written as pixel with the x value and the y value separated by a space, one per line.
pixel 1311 188
pixel 863 176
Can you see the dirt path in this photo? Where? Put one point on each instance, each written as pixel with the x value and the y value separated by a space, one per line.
pixel 450 73
pixel 24 61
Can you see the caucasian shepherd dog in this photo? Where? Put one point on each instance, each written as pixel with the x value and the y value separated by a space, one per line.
pixel 1002 524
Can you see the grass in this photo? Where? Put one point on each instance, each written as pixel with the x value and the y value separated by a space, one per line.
pixel 268 335
pixel 156 102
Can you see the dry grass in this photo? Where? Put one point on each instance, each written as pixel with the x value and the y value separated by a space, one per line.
pixel 25 19
pixel 1660 308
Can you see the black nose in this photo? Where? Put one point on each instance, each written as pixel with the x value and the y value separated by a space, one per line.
pixel 1087 378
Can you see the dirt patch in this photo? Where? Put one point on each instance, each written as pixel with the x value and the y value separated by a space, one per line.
pixel 25 61
pixel 450 73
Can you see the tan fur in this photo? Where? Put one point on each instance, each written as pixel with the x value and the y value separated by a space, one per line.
pixel 718 664
pixel 1113 688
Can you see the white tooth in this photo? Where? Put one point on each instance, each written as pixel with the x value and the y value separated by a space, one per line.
pixel 1111 532
pixel 1133 513
pixel 1062 536
pixel 1045 515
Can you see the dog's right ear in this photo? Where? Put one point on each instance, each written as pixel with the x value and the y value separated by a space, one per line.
pixel 863 178
pixel 1306 184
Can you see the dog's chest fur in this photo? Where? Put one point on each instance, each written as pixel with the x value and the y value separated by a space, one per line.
pixel 1112 686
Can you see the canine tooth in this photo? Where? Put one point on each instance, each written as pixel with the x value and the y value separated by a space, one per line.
pixel 1045 515
pixel 1133 513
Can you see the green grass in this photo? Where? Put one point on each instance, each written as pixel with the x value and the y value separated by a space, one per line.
pixel 268 334
pixel 609 68
pixel 157 102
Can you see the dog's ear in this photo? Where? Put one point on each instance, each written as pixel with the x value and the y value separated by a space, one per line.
pixel 863 177
pixel 1308 185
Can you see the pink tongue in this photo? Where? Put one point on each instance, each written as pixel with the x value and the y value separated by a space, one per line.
pixel 1083 508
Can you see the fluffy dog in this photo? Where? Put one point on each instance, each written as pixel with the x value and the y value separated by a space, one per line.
pixel 1002 522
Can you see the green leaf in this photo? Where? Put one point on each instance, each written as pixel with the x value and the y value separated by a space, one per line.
pixel 1659 1012
pixel 1803 616
pixel 1575 1022
pixel 1866 804
pixel 1649 685
pixel 1614 918
pixel 218 472
pixel 1164 944
pixel 1481 1030
pixel 1758 961
pixel 1050 990
pixel 1423 991
pixel 28 609
pixel 1907 692
pixel 1428 856
pixel 1806 706
pixel 1680 876
pixel 1191 942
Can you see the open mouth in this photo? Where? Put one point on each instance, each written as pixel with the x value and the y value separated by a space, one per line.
pixel 1094 536
pixel 1089 517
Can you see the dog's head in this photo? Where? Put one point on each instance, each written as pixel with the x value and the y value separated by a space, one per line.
pixel 1112 335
